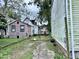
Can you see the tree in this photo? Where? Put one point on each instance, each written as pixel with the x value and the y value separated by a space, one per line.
pixel 3 24
pixel 45 11
pixel 5 3
pixel 14 8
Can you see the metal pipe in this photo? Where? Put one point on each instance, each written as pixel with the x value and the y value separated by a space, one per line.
pixel 66 26
pixel 72 34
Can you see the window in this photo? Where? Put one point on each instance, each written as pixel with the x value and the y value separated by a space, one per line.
pixel 22 28
pixel 13 28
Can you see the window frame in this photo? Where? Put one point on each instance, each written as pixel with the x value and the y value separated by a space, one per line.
pixel 13 27
pixel 22 30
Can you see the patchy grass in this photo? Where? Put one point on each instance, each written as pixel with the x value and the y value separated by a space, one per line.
pixel 58 55
pixel 7 41
pixel 50 46
pixel 40 38
pixel 27 55
pixel 6 52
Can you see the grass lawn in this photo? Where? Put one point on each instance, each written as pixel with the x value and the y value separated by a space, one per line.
pixel 58 55
pixel 7 41
pixel 6 52
pixel 40 38
pixel 28 55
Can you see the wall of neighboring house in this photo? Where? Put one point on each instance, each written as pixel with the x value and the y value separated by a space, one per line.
pixel 35 29
pixel 44 30
pixel 32 30
pixel 29 30
pixel 17 33
pixel 58 22
pixel 27 21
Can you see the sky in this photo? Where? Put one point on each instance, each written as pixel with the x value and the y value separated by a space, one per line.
pixel 32 8
pixel 1 2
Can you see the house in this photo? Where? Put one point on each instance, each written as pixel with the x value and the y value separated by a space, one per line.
pixel 65 24
pixel 27 21
pixel 18 29
pixel 35 29
pixel 43 29
pixel 34 26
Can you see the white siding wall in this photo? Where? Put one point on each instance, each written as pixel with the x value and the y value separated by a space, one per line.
pixel 58 22
pixel 58 25
pixel 31 30
pixel 35 29
pixel 75 15
pixel 75 18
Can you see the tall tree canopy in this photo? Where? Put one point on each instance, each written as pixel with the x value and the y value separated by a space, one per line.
pixel 45 11
pixel 14 8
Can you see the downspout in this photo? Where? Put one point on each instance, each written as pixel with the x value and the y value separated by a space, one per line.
pixel 67 41
pixel 66 27
pixel 72 34
pixel 51 16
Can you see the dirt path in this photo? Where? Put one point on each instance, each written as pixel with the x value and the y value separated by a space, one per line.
pixel 42 52
pixel 17 54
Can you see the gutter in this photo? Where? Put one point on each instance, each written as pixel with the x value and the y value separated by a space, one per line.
pixel 72 34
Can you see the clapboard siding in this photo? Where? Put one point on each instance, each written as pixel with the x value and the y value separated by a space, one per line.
pixel 57 22
pixel 75 15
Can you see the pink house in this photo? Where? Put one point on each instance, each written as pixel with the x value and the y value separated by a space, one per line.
pixel 18 29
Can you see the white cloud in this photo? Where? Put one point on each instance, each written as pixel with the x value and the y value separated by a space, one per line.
pixel 27 1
